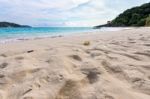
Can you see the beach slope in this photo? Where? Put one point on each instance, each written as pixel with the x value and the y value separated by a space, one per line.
pixel 102 65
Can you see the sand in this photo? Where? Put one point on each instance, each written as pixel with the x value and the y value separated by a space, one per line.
pixel 102 65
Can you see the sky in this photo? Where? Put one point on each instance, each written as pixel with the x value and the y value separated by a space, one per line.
pixel 80 13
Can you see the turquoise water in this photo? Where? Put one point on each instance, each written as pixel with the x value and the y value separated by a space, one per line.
pixel 9 34
pixel 40 31
pixel 17 34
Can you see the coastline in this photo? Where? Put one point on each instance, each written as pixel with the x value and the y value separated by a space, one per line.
pixel 112 65
pixel 22 38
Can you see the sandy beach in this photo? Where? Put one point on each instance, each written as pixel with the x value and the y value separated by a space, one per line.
pixel 102 65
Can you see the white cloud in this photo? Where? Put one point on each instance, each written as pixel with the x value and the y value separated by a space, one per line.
pixel 85 23
pixel 63 12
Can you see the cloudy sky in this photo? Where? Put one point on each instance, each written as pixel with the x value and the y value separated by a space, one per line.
pixel 63 12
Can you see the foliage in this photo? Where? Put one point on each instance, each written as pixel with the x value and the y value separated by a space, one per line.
pixel 148 21
pixel 136 16
pixel 8 24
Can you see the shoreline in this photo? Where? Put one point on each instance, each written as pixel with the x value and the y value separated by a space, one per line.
pixel 12 40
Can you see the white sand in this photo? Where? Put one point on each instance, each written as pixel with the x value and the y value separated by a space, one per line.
pixel 116 65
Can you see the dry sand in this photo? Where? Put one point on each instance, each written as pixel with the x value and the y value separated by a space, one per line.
pixel 105 65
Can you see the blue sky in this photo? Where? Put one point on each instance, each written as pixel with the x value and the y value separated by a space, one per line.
pixel 63 12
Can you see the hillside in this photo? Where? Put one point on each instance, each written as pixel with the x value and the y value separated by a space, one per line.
pixel 8 24
pixel 137 16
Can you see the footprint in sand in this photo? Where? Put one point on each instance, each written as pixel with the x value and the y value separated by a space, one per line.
pixel 109 97
pixel 147 45
pixel 3 55
pixel 76 57
pixel 70 90
pixel 3 65
pixel 91 74
pixel 2 76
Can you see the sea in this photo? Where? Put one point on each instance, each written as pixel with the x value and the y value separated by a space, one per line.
pixel 8 35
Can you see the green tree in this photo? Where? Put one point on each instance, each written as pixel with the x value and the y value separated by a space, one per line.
pixel 141 22
pixel 136 16
pixel 134 19
pixel 148 21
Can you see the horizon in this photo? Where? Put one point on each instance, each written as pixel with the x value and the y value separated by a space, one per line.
pixel 65 13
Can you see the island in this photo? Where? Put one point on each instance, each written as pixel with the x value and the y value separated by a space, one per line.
pixel 134 17
pixel 14 25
